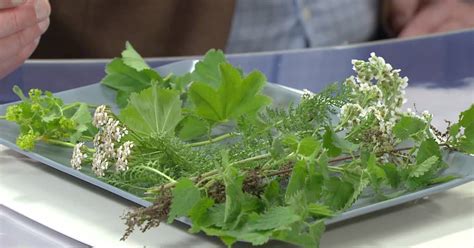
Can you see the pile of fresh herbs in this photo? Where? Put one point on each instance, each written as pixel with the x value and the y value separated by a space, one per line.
pixel 209 146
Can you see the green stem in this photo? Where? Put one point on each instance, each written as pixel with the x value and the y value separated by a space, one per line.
pixel 3 117
pixel 159 173
pixel 213 140
pixel 59 143
pixel 258 157
pixel 64 144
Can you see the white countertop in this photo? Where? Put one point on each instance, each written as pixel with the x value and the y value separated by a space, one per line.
pixel 91 215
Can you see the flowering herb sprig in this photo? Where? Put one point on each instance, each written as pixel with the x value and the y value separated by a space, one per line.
pixel 207 146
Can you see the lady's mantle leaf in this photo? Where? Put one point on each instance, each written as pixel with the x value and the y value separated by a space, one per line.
pixel 153 111
pixel 234 97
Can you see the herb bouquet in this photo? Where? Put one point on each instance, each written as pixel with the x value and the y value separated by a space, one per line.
pixel 209 146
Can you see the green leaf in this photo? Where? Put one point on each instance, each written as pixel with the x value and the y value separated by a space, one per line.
pixel 408 126
pixel 336 145
pixel 207 70
pixel 422 168
pixel 313 187
pixel 328 143
pixel 320 210
pixel 199 214
pixel 192 127
pixel 297 179
pixel 466 143
pixel 131 58
pixel 393 177
pixel 376 174
pixel 122 77
pixel 275 218
pixel 185 197
pixel 271 194
pixel 337 193
pixel 443 179
pixel 234 196
pixel 309 146
pixel 358 189
pixel 153 111
pixel 466 118
pixel 235 96
pixel 427 148
pixel 83 119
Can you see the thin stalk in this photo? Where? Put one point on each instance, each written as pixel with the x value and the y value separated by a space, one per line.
pixel 213 140
pixel 251 159
pixel 59 143
pixel 64 144
pixel 159 173
pixel 2 117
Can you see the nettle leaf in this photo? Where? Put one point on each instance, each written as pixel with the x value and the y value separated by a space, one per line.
pixel 199 214
pixel 235 96
pixel 207 70
pixel 234 196
pixel 408 126
pixel 297 179
pixel 427 148
pixel 185 197
pixel 466 118
pixel 337 193
pixel 393 176
pixel 308 146
pixel 422 168
pixel 337 145
pixel 358 189
pixel 153 111
pixel 271 194
pixel 320 210
pixel 376 174
pixel 274 218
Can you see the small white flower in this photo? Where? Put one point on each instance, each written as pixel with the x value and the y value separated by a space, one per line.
pixel 100 163
pixel 123 153
pixel 427 116
pixel 78 156
pixel 307 94
pixel 101 116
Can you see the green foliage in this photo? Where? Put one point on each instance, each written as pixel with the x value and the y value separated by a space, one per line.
pixel 185 197
pixel 462 133
pixel 153 111
pixel 129 74
pixel 234 97
pixel 42 116
pixel 206 148
pixel 408 126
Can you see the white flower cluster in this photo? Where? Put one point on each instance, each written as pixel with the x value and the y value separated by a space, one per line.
pixel 110 134
pixel 307 94
pixel 123 152
pixel 377 95
pixel 108 137
pixel 78 156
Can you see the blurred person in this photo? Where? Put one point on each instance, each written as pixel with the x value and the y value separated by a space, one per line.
pixel 99 28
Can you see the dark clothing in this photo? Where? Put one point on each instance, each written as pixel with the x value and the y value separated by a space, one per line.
pixel 99 28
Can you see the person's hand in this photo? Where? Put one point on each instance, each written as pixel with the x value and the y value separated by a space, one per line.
pixel 409 18
pixel 22 22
